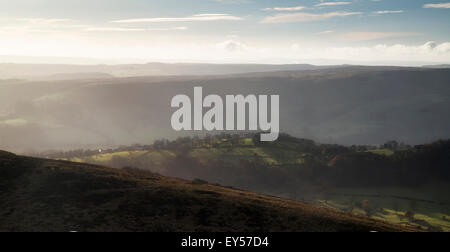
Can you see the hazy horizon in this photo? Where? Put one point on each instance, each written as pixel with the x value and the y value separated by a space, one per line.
pixel 44 60
pixel 367 32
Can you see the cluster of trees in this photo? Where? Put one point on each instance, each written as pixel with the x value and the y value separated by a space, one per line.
pixel 411 167
pixel 334 165
pixel 209 141
pixel 229 141
pixel 394 145
pixel 324 164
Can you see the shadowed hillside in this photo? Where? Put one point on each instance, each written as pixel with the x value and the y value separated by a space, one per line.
pixel 46 195
pixel 395 178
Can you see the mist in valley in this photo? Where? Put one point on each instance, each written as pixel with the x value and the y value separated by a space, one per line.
pixel 343 105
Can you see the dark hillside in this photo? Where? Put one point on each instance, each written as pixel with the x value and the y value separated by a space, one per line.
pixel 46 195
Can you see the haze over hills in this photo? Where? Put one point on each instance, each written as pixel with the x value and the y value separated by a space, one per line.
pixel 346 105
pixel 438 66
pixel 254 116
pixel 41 71
pixel 46 195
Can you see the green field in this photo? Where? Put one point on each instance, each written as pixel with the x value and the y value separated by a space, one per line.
pixel 430 206
pixel 384 152
pixel 222 150
pixel 391 204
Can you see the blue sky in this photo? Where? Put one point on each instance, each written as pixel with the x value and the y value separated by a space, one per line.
pixel 256 31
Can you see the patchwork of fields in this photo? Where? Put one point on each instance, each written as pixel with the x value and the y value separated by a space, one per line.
pixel 430 208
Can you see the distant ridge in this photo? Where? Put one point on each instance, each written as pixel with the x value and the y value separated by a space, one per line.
pixel 33 71
pixel 437 66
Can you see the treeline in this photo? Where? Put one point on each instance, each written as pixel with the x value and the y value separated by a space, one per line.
pixel 323 165
pixel 224 140
pixel 412 167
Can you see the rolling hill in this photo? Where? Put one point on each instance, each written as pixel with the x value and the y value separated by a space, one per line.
pixel 59 71
pixel 395 181
pixel 48 195
pixel 346 105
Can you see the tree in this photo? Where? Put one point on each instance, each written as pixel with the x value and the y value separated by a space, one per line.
pixel 257 139
pixel 367 208
pixel 391 145
pixel 351 205
pixel 409 215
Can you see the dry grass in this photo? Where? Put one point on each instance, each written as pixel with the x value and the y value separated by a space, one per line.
pixel 46 195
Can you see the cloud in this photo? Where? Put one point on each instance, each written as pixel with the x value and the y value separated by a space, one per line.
pixel 429 48
pixel 44 21
pixel 428 52
pixel 234 51
pixel 332 4
pixel 232 1
pixel 41 25
pixel 231 46
pixel 325 32
pixel 306 17
pixel 297 8
pixel 120 29
pixel 437 6
pixel 388 12
pixel 366 36
pixel 194 18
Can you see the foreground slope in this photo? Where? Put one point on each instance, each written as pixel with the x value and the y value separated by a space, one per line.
pixel 46 195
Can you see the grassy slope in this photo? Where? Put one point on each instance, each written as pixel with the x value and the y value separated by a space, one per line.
pixel 246 150
pixel 46 195
pixel 432 214
pixel 427 215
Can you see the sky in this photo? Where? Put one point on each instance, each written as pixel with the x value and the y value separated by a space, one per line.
pixel 399 32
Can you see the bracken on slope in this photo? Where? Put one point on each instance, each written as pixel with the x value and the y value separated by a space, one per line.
pixel 48 195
